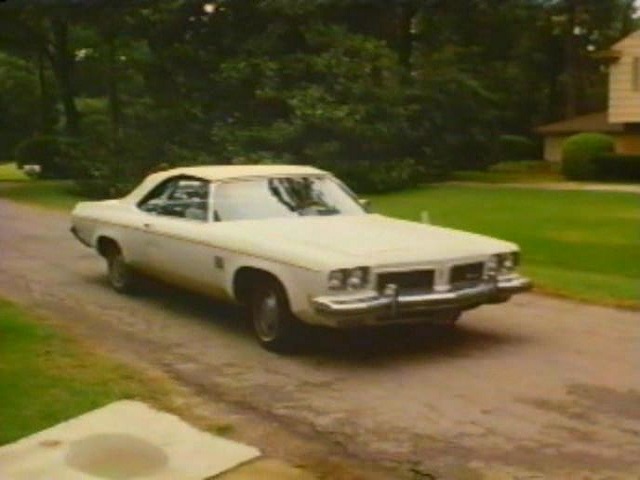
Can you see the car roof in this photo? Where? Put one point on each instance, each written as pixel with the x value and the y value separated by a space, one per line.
pixel 220 173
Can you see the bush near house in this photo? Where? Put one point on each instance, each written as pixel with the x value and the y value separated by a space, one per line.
pixel 614 166
pixel 578 152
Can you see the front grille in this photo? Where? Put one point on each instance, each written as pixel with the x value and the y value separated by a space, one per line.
pixel 412 281
pixel 466 275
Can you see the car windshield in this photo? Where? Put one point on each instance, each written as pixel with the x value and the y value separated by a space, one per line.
pixel 262 198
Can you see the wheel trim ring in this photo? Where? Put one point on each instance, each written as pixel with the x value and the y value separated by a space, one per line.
pixel 266 318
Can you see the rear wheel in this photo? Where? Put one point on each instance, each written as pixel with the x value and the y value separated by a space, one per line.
pixel 121 276
pixel 274 325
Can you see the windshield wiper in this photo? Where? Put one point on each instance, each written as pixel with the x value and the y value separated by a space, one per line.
pixel 316 210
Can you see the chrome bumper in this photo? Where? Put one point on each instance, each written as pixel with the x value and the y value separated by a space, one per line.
pixel 491 292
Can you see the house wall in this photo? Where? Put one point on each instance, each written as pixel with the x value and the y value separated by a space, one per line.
pixel 552 148
pixel 628 143
pixel 624 82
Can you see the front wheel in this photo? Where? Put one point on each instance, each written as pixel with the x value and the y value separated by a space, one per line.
pixel 274 325
pixel 121 276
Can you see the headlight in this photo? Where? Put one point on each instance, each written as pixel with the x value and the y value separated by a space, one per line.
pixel 502 264
pixel 509 262
pixel 492 266
pixel 337 280
pixel 348 278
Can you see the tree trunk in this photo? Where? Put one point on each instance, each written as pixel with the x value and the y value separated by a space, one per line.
pixel 404 39
pixel 62 63
pixel 571 62
pixel 44 96
pixel 112 85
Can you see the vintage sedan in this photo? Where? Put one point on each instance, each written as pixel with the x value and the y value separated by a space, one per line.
pixel 296 246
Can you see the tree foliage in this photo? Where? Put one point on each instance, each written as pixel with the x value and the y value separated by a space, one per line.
pixel 18 81
pixel 355 85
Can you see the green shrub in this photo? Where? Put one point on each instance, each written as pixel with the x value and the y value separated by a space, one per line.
pixel 107 169
pixel 55 155
pixel 614 166
pixel 515 147
pixel 578 152
pixel 377 177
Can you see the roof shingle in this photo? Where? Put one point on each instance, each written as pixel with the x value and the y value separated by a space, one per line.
pixel 593 122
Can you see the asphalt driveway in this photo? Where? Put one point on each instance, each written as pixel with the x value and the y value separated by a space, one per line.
pixel 539 385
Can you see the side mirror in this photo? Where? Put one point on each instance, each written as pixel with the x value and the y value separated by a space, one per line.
pixel 365 203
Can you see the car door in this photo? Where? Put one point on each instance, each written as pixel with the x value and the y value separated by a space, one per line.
pixel 145 214
pixel 177 230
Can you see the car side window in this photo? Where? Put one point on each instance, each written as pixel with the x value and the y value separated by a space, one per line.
pixel 153 200
pixel 182 197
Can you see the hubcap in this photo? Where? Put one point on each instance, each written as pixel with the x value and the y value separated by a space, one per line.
pixel 266 318
pixel 117 271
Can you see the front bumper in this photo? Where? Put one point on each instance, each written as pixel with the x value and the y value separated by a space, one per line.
pixel 496 291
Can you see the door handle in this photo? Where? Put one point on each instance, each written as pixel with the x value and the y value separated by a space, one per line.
pixel 148 226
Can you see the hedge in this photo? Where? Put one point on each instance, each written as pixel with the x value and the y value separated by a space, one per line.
pixel 578 152
pixel 614 166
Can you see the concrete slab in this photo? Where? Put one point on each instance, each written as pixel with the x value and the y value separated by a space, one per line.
pixel 124 440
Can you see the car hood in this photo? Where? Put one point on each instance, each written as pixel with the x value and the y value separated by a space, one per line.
pixel 362 240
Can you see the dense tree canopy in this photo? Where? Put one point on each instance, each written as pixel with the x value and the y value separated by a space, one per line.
pixel 355 85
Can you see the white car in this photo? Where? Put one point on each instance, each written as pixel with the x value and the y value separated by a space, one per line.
pixel 295 245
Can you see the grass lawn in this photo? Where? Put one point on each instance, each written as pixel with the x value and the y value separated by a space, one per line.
pixel 55 194
pixel 514 172
pixel 584 245
pixel 17 186
pixel 46 377
pixel 505 177
pixel 9 172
